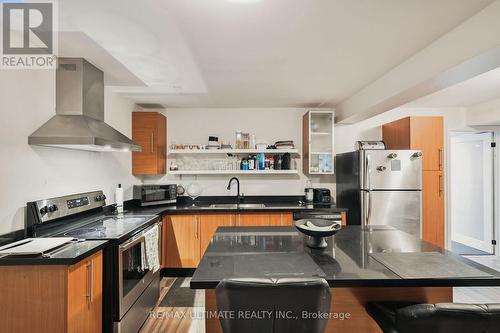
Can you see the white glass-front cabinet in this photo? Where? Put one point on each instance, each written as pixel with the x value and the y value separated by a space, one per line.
pixel 317 142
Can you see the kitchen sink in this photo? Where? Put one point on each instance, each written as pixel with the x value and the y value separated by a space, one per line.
pixel 236 206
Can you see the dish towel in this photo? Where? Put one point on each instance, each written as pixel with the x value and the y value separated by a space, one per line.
pixel 151 249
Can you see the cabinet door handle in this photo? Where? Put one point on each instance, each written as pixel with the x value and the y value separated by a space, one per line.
pixel 152 142
pixel 440 159
pixel 440 185
pixel 91 281
pixel 196 227
pixel 87 295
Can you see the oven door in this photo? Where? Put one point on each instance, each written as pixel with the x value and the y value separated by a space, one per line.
pixel 133 277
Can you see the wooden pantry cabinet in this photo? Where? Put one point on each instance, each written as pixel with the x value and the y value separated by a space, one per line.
pixel 186 237
pixel 425 134
pixel 149 130
pixel 52 298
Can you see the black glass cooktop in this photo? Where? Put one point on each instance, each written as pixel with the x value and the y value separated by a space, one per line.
pixel 108 227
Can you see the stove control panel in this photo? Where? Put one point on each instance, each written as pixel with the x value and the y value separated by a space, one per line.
pixel 78 202
pixel 46 210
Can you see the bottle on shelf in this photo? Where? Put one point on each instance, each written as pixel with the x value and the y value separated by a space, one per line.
pixel 261 158
pixel 309 192
pixel 251 162
pixel 244 164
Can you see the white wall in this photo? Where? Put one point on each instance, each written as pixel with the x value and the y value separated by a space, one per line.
pixel 29 173
pixel 268 124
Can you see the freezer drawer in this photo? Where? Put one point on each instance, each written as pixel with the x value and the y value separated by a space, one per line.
pixel 398 209
pixel 391 170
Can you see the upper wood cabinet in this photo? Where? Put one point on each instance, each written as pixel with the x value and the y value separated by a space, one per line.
pixel 419 133
pixel 317 142
pixel 58 298
pixel 149 130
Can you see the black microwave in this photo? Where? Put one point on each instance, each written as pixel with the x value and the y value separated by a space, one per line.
pixel 149 195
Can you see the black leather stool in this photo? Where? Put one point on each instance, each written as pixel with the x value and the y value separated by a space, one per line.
pixel 267 305
pixel 436 318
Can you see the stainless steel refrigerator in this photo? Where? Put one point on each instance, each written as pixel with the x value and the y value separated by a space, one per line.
pixel 381 188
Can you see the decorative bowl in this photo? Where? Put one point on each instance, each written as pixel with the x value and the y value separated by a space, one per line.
pixel 317 230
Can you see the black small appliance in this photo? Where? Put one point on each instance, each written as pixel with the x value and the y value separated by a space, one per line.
pixel 322 196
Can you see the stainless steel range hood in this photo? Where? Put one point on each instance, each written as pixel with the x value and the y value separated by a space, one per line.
pixel 79 120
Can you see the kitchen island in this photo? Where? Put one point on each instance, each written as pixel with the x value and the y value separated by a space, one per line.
pixel 382 264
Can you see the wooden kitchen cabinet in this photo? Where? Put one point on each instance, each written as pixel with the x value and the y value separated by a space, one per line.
pixel 425 134
pixel 419 133
pixel 432 207
pixel 209 224
pixel 287 218
pixel 187 237
pixel 259 219
pixel 50 299
pixel 182 241
pixel 149 130
pixel 85 296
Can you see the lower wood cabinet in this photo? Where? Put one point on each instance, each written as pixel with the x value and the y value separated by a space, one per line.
pixel 433 207
pixel 186 237
pixel 85 295
pixel 182 241
pixel 264 219
pixel 52 298
pixel 209 224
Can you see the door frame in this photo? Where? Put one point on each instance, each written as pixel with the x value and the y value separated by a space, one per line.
pixel 495 194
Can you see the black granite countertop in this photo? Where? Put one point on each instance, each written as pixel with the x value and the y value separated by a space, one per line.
pixel 66 255
pixel 204 205
pixel 346 262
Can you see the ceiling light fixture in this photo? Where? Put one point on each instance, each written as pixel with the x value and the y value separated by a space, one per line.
pixel 243 1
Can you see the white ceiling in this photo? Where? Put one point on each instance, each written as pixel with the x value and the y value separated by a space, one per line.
pixel 480 89
pixel 272 53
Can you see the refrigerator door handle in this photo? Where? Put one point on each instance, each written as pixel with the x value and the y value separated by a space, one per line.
pixel 369 214
pixel 369 181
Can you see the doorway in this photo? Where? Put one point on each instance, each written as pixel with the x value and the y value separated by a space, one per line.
pixel 472 193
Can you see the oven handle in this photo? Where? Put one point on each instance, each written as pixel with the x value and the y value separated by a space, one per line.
pixel 137 239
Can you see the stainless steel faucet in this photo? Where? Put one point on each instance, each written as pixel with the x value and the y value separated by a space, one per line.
pixel 238 196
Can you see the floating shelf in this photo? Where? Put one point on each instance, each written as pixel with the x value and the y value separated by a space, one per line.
pixel 233 172
pixel 321 153
pixel 232 151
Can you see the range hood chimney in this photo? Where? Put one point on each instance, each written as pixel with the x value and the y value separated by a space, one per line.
pixel 79 120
